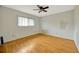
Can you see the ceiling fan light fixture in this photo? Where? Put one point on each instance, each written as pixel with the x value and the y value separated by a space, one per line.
pixel 42 8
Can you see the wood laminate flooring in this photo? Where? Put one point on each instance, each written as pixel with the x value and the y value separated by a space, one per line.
pixel 39 43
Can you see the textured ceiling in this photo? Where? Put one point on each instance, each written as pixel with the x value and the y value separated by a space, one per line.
pixel 52 9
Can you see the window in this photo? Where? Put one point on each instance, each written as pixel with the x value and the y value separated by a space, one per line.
pixel 22 21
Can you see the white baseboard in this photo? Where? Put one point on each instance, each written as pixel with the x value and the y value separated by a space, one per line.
pixel 76 44
pixel 58 36
pixel 21 37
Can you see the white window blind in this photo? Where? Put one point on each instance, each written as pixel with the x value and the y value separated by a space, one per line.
pixel 22 21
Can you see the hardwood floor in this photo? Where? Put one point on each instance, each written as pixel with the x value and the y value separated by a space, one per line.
pixel 40 43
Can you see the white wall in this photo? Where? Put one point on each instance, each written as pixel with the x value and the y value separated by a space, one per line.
pixel 0 23
pixel 76 32
pixel 0 20
pixel 60 24
pixel 10 30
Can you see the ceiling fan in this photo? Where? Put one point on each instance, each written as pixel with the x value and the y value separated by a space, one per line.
pixel 42 8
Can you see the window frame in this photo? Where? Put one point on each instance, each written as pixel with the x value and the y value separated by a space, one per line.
pixel 28 21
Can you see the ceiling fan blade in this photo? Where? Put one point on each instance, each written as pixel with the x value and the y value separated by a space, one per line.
pixel 46 7
pixel 44 10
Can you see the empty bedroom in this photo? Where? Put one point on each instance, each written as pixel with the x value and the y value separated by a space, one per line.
pixel 39 29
